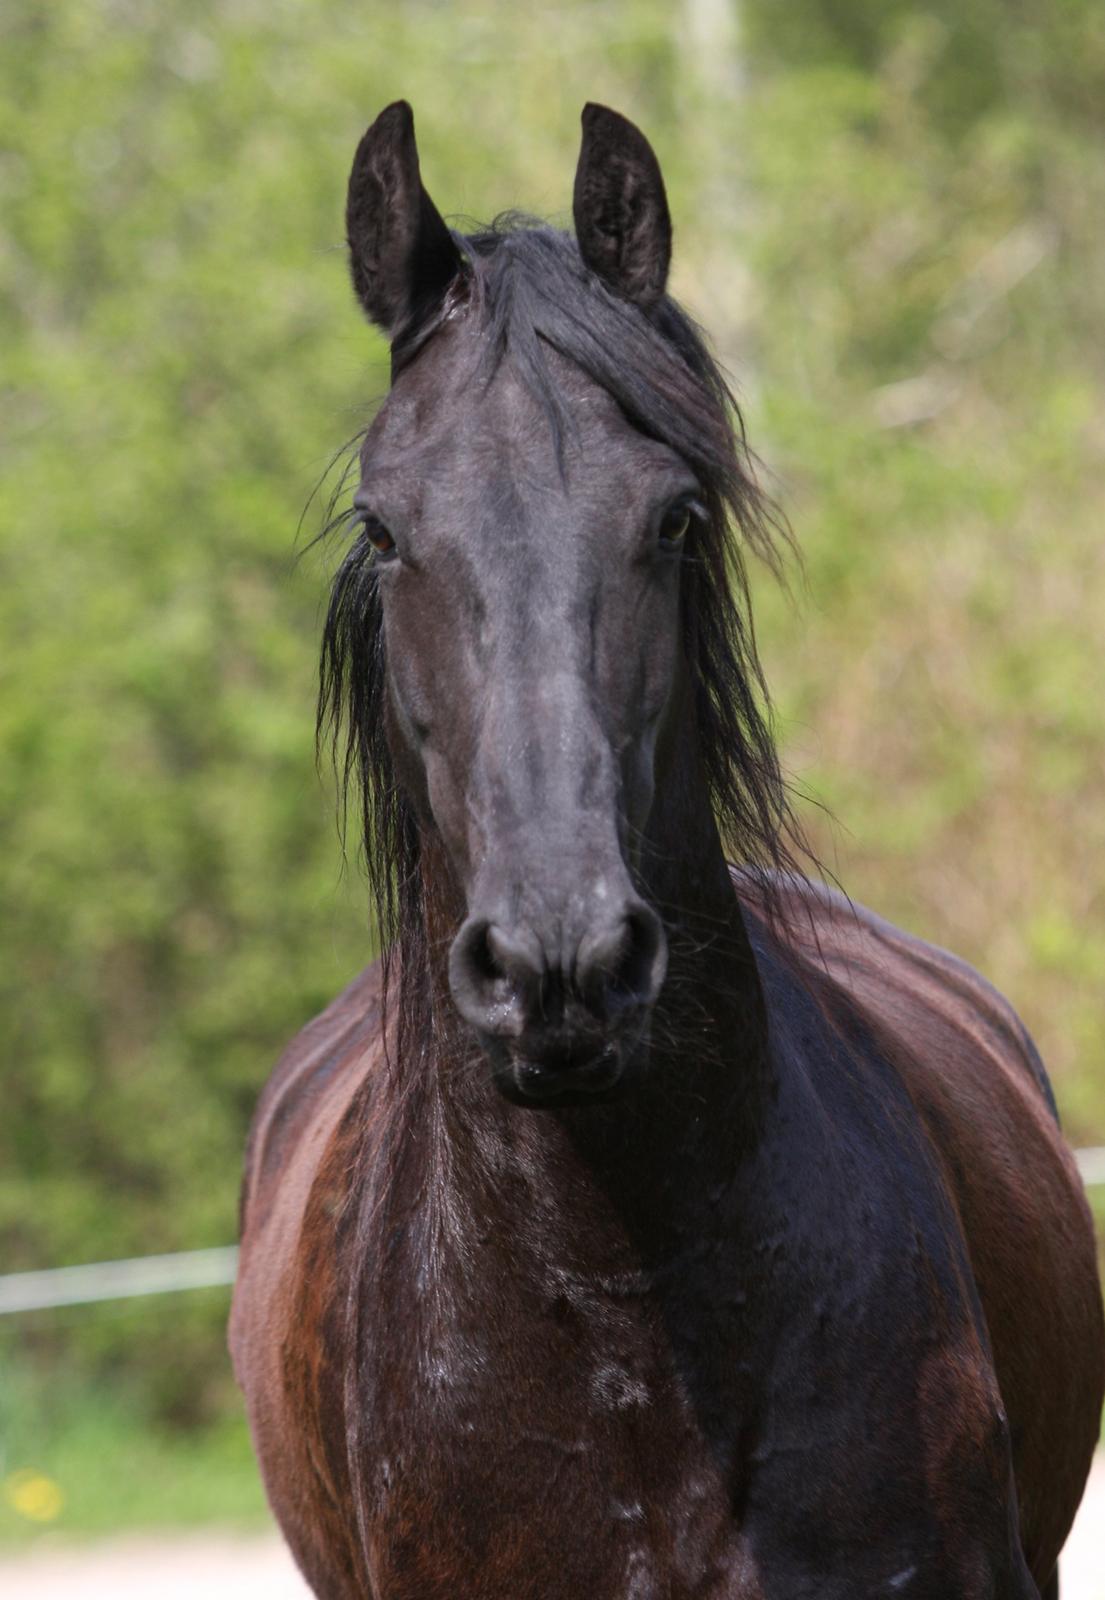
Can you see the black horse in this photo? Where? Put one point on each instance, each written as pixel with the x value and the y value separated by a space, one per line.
pixel 643 1227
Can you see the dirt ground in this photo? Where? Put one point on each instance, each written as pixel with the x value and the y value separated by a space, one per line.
pixel 216 1566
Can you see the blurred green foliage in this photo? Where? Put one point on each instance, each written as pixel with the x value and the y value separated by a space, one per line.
pixel 888 216
pixel 79 1459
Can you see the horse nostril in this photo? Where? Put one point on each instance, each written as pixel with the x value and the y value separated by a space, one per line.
pixel 491 974
pixel 645 960
pixel 623 966
pixel 502 985
pixel 516 956
pixel 473 971
pixel 481 956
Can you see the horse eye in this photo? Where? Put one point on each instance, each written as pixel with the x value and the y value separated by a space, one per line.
pixel 378 536
pixel 675 524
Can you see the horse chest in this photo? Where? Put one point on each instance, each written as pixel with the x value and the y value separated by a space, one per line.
pixel 671 1444
pixel 541 1500
pixel 549 1455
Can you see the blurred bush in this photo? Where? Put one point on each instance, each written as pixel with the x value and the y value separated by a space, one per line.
pixel 888 216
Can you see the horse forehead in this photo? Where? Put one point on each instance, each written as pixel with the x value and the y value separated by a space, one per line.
pixel 566 425
pixel 448 425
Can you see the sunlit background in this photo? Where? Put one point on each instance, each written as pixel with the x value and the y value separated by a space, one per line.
pixel 888 215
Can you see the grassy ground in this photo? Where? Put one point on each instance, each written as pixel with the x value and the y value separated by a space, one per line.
pixel 79 1461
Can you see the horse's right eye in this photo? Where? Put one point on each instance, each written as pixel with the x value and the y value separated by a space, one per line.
pixel 378 536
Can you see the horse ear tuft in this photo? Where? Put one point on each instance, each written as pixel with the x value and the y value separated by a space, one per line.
pixel 623 226
pixel 401 254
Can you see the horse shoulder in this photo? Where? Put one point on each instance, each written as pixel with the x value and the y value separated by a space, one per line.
pixel 312 1114
pixel 319 1069
pixel 988 1120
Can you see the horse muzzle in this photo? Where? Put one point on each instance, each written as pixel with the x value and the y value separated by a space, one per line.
pixel 560 1013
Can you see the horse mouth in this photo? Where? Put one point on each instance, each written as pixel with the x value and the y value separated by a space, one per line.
pixel 538 1081
pixel 551 1076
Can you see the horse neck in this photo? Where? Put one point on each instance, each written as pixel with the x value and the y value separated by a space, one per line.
pixel 698 1107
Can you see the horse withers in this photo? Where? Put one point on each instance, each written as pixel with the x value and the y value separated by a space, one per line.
pixel 640 1227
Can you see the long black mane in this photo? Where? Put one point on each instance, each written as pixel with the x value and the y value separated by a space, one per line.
pixel 530 291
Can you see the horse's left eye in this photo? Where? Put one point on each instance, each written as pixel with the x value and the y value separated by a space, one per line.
pixel 675 524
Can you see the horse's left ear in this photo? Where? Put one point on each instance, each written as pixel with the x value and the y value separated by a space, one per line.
pixel 401 254
pixel 623 226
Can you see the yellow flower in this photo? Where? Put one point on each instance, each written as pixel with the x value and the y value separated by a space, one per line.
pixel 33 1495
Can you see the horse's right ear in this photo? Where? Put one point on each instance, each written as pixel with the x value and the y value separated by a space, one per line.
pixel 401 254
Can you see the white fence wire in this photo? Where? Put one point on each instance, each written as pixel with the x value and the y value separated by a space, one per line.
pixel 117 1280
pixel 211 1269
